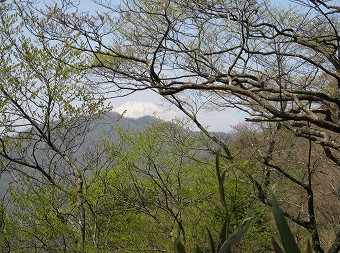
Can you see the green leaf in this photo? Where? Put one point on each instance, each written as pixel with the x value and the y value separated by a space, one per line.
pixel 309 247
pixel 236 236
pixel 212 245
pixel 198 250
pixel 228 249
pixel 179 247
pixel 276 246
pixel 223 234
pixel 286 235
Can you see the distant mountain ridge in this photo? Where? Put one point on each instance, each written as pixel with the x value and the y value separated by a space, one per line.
pixel 104 126
pixel 101 127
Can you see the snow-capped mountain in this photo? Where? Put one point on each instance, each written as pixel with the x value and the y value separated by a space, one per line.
pixel 134 109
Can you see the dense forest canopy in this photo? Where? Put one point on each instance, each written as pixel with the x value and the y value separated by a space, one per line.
pixel 70 188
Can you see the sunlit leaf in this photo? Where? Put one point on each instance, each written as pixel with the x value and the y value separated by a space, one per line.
pixel 236 236
pixel 286 235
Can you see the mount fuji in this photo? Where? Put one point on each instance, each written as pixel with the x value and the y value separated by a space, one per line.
pixel 133 109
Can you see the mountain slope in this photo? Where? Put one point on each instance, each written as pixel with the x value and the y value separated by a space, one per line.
pixel 77 146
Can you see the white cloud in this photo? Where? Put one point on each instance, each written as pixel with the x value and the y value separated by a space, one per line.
pixel 216 121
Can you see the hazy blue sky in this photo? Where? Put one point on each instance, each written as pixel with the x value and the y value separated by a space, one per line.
pixel 218 121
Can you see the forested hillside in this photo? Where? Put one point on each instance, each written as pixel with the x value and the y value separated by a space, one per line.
pixel 82 141
pixel 78 178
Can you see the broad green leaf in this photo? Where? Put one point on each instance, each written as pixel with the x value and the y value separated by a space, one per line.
pixel 286 235
pixel 276 246
pixel 223 234
pixel 236 236
pixel 179 247
pixel 212 245
pixel 309 247
pixel 239 233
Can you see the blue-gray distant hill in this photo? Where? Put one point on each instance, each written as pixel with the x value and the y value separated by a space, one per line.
pixel 81 141
pixel 106 125
pixel 102 127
